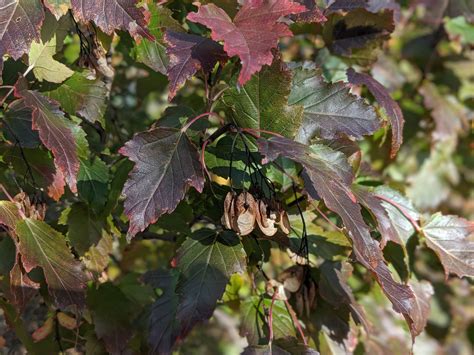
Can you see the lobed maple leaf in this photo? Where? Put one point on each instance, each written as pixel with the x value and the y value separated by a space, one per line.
pixel 253 32
pixel 330 110
pixel 162 322
pixel 262 103
pixel 327 175
pixel 41 245
pixel 20 22
pixel 111 15
pixel 187 55
pixel 83 96
pixel 390 106
pixel 388 229
pixel 452 239
pixel 55 131
pixel 206 261
pixel 166 164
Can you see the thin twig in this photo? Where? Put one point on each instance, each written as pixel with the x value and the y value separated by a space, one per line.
pixel 296 321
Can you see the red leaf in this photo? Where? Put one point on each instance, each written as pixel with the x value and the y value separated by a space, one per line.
pixel 111 15
pixel 20 23
pixel 383 98
pixel 252 34
pixel 167 163
pixel 56 133
pixel 188 54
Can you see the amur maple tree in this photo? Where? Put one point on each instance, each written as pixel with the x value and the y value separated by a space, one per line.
pixel 252 176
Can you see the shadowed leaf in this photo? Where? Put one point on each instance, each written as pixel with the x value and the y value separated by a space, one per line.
pixel 206 260
pixel 153 53
pixel 58 7
pixel 162 324
pixel 187 55
pixel 254 324
pixel 383 98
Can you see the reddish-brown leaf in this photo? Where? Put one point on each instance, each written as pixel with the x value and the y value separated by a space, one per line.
pixel 166 164
pixel 20 23
pixel 312 14
pixel 56 133
pixel 188 54
pixel 22 288
pixel 328 175
pixel 252 34
pixel 383 98
pixel 384 223
pixel 111 15
pixel 452 239
pixel 421 309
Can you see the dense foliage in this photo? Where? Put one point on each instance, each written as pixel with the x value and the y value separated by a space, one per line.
pixel 256 176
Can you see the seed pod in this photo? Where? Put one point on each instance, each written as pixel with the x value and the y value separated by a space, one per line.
pixel 245 209
pixel 264 220
pixel 228 210
pixel 284 222
pixel 292 278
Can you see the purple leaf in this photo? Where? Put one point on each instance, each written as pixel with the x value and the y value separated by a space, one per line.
pixel 166 164
pixel 383 98
pixel 188 54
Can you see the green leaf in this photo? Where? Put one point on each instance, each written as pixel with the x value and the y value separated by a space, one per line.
pixel 153 53
pixel 330 110
pixel 84 228
pixel 92 183
pixel 358 35
pixel 112 313
pixel 207 259
pixel 254 322
pixel 262 103
pixel 40 245
pixel 452 239
pixel 9 214
pixel 40 57
pixel 82 95
pixel 162 324
pixel 460 27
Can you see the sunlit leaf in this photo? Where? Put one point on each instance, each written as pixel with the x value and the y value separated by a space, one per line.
pixel 40 245
pixel 239 35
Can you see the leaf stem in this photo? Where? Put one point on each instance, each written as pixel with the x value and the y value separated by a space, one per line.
pixel 403 211
pixel 270 317
pixel 296 321
pixel 198 117
pixel 12 88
